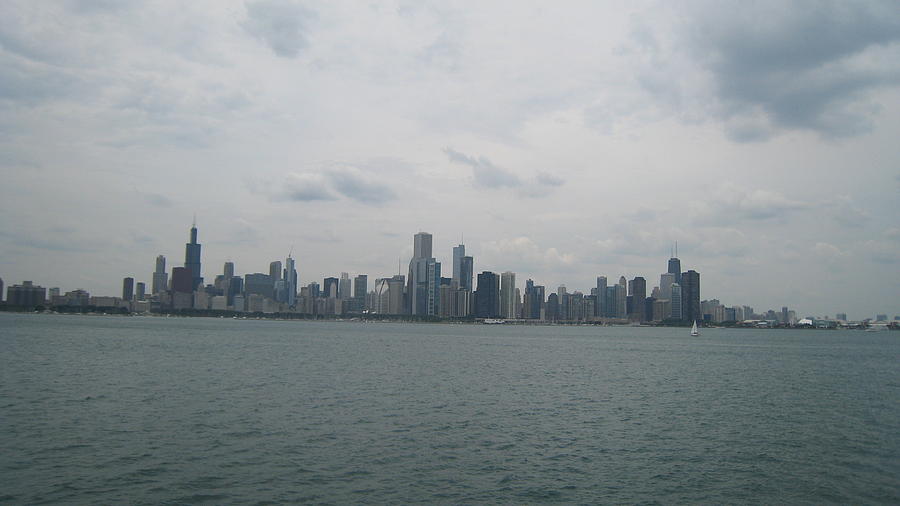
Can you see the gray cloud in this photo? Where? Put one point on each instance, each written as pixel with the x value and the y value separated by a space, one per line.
pixel 354 184
pixel 801 65
pixel 846 212
pixel 305 187
pixel 547 179
pixel 24 82
pixel 329 184
pixel 154 199
pixel 281 24
pixel 54 239
pixel 732 202
pixel 484 172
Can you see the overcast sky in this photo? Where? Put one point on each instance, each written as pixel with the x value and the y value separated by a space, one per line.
pixel 565 140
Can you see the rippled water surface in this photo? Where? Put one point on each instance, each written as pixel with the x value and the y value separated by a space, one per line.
pixel 147 410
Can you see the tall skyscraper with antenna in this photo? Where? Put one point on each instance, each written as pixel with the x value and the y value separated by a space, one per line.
pixel 192 257
pixel 675 264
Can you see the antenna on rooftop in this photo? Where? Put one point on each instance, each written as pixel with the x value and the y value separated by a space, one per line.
pixel 194 223
pixel 676 249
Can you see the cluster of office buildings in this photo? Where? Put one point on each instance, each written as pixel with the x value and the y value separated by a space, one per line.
pixel 422 292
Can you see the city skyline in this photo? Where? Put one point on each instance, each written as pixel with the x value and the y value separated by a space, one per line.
pixel 427 293
pixel 563 143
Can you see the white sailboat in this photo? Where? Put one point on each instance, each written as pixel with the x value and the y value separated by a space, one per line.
pixel 694 330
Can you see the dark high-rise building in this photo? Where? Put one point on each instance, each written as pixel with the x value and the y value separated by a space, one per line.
pixel 675 268
pixel 141 291
pixel 26 295
pixel 228 271
pixel 330 287
pixel 128 289
pixel 290 281
pixel 235 287
pixel 611 307
pixel 639 295
pixel 648 310
pixel 360 289
pixel 1 289
pixel 192 259
pixel 600 311
pixel 690 296
pixel 466 271
pixel 534 299
pixel 487 296
pixel 360 286
pixel 182 280
pixel 552 311
pixel 260 284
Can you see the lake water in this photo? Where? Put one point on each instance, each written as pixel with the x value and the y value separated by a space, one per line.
pixel 101 410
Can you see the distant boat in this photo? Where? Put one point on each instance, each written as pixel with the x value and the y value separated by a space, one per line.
pixel 493 321
pixel 694 330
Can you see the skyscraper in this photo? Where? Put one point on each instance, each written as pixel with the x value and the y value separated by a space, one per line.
pixel 665 285
pixel 622 298
pixel 508 295
pixel 260 284
pixel 458 253
pixel 141 291
pixel 601 296
pixel 396 294
pixel 423 283
pixel 534 299
pixel 466 271
pixel 344 290
pixel 181 280
pixel 487 296
pixel 192 259
pixel 290 282
pixel 330 287
pixel 677 309
pixel 639 294
pixel 690 296
pixel 675 268
pixel 275 270
pixel 360 289
pixel 675 265
pixel 128 289
pixel 160 278
pixel 422 245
